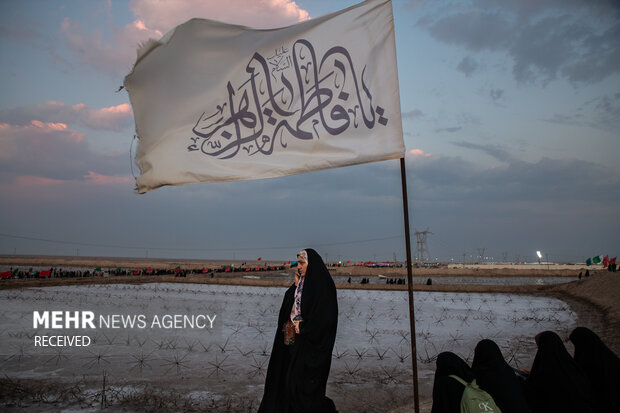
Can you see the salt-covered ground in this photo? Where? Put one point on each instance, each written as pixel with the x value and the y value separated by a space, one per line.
pixel 223 368
pixel 466 280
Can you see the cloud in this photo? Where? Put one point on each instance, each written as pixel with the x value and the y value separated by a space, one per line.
pixel 541 52
pixel 152 19
pixel 495 151
pixel 52 152
pixel 606 112
pixel 601 113
pixel 413 114
pixel 114 56
pixel 440 178
pixel 418 152
pixel 545 40
pixel 496 94
pixel 30 32
pixel 164 15
pixel 473 29
pixel 561 119
pixel 463 204
pixel 73 197
pixel 100 179
pixel 468 66
pixel 112 118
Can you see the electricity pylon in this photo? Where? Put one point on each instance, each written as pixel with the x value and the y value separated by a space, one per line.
pixel 421 250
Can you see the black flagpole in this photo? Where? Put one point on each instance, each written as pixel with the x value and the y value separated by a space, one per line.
pixel 414 353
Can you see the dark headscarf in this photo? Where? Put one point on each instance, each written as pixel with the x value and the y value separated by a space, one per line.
pixel 447 392
pixel 556 383
pixel 497 378
pixel 297 375
pixel 601 366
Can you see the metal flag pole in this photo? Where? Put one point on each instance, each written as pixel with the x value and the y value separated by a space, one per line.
pixel 414 353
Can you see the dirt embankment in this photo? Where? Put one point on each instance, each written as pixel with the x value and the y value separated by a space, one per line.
pixel 602 290
pixel 112 262
pixel 537 271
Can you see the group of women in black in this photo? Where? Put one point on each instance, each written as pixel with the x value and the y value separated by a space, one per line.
pixel 301 356
pixel 589 381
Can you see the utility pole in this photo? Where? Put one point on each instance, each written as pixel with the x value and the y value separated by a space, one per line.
pixel 481 254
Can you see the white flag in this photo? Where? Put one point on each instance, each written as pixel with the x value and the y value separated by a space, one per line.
pixel 219 102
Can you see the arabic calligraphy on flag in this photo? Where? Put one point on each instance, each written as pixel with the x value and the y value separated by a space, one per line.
pixel 218 102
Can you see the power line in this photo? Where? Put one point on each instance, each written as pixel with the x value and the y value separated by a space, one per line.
pixel 87 244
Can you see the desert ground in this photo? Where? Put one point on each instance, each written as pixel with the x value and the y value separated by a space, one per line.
pixel 222 368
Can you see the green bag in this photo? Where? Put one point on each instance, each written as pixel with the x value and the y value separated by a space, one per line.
pixel 476 400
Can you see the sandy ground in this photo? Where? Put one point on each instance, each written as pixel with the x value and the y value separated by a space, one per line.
pixel 598 295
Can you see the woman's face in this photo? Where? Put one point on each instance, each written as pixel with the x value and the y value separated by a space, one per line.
pixel 302 267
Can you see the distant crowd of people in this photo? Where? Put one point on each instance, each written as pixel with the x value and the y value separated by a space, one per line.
pixel 22 273
pixel 395 281
pixel 557 381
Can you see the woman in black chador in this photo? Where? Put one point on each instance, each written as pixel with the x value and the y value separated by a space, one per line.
pixel 497 378
pixel 602 367
pixel 302 349
pixel 556 383
pixel 447 392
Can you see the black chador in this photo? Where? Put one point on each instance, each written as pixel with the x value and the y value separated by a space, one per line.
pixel 556 383
pixel 297 374
pixel 497 378
pixel 447 392
pixel 601 366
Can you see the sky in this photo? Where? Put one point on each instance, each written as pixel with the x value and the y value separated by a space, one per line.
pixel 510 113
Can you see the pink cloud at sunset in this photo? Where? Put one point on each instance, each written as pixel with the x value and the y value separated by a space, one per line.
pixel 163 15
pixel 51 152
pixel 113 57
pixel 35 142
pixel 32 182
pixel 114 118
pixel 31 188
pixel 17 134
pixel 109 118
pixel 49 125
pixel 100 179
pixel 153 19
pixel 419 152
